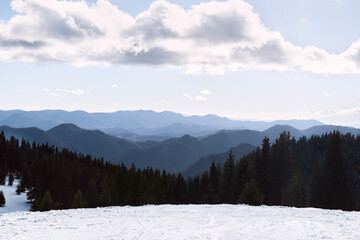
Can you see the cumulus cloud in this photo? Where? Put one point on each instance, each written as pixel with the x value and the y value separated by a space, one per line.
pixel 212 37
pixel 206 92
pixel 326 94
pixel 114 85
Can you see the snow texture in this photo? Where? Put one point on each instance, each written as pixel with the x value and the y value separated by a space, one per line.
pixel 182 222
pixel 14 202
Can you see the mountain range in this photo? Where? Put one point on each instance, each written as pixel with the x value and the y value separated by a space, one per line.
pixel 139 125
pixel 173 155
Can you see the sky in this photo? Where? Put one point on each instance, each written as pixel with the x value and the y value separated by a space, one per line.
pixel 254 59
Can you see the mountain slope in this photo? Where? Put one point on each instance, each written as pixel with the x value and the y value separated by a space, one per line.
pixel 173 155
pixel 95 143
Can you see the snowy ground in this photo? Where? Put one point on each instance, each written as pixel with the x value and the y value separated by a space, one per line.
pixel 14 202
pixel 182 222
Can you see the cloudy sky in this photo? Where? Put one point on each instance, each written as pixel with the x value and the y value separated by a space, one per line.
pixel 254 59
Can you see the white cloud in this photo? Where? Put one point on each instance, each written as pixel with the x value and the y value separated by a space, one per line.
pixel 206 92
pixel 212 37
pixel 114 86
pixel 77 91
pixel 187 96
pixel 60 92
pixel 326 94
pixel 201 98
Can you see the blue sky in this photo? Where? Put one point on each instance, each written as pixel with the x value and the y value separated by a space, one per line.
pixel 258 59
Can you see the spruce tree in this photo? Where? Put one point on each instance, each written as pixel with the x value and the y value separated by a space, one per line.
pixel 228 180
pixel 263 168
pixel 79 201
pixel 295 195
pixel 92 194
pixel 46 202
pixel 2 199
pixel 214 183
pixel 333 179
pixel 18 189
pixel 11 179
pixel 280 169
pixel 2 176
pixel 251 194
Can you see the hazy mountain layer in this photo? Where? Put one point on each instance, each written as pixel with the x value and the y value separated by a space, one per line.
pixel 173 155
pixel 140 122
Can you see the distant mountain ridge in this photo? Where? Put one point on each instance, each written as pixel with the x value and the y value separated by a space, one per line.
pixel 93 142
pixel 173 155
pixel 141 122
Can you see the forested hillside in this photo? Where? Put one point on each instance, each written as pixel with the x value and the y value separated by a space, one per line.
pixel 321 171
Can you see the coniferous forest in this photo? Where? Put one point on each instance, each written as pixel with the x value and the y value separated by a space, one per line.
pixel 321 171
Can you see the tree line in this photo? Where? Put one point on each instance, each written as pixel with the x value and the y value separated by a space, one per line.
pixel 320 171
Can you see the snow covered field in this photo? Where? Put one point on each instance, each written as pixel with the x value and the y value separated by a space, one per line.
pixel 14 202
pixel 182 222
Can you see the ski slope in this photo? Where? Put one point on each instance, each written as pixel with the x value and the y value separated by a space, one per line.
pixel 182 222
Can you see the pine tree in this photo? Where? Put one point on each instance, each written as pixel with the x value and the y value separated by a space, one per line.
pixel 2 199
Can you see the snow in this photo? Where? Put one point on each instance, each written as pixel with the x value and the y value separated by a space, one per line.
pixel 182 222
pixel 14 202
